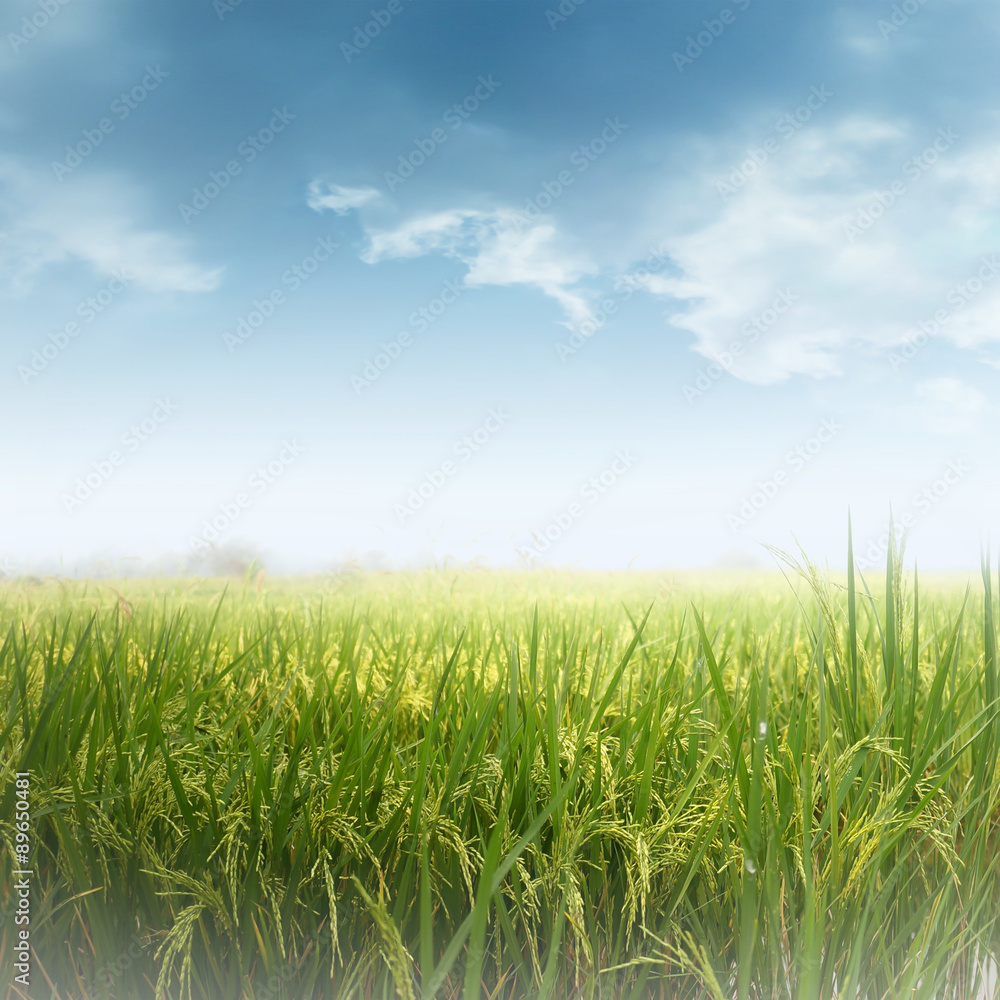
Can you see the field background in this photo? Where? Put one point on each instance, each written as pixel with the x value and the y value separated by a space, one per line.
pixel 465 783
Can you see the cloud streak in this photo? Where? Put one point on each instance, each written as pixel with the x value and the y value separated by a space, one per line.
pixel 497 249
pixel 326 195
pixel 91 220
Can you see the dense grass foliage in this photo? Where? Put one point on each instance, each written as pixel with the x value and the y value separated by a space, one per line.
pixel 472 784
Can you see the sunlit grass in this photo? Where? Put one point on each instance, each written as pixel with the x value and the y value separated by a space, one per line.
pixel 465 784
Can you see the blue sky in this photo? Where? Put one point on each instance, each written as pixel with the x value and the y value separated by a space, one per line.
pixel 599 284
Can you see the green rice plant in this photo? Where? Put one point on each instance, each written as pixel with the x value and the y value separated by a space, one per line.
pixel 467 784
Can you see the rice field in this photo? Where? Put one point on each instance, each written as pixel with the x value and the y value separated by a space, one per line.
pixel 481 784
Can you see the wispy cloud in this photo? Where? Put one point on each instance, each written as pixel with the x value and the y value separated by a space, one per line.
pixel 498 249
pixel 325 195
pixel 92 220
pixel 444 231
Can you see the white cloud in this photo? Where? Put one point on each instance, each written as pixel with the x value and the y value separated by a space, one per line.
pixel 323 194
pixel 89 219
pixel 445 231
pixel 951 407
pixel 785 228
pixel 499 248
